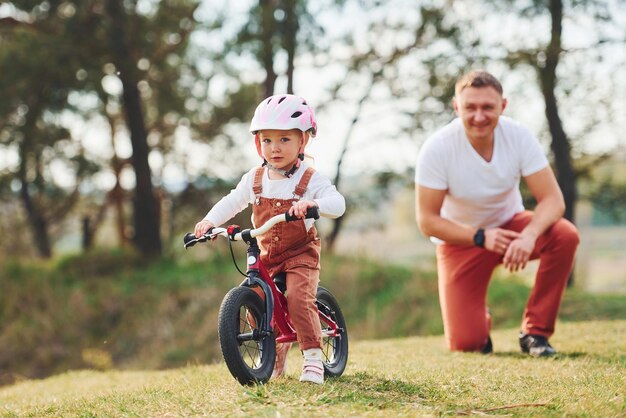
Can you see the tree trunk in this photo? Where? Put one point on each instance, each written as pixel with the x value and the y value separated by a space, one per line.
pixel 560 144
pixel 331 239
pixel 146 237
pixel 88 233
pixel 116 195
pixel 268 27
pixel 146 220
pixel 36 219
pixel 289 40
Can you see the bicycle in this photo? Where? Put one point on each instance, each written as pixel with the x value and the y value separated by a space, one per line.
pixel 246 322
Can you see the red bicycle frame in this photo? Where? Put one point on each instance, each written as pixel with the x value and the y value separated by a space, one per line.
pixel 275 301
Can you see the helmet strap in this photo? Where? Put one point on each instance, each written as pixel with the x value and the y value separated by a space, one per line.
pixel 287 173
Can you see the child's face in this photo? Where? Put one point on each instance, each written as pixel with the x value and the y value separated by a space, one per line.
pixel 281 147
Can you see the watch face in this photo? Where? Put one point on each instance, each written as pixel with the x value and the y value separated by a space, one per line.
pixel 479 238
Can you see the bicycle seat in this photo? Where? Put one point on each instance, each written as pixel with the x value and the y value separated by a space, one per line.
pixel 281 281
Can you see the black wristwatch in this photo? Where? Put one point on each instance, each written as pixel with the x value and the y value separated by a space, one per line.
pixel 479 238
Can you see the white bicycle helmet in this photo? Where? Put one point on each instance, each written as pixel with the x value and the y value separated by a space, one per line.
pixel 284 111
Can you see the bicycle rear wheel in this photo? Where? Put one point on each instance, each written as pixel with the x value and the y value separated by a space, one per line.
pixel 334 349
pixel 248 354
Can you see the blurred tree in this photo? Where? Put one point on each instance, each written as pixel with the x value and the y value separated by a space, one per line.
pixel 277 30
pixel 268 25
pixel 36 85
pixel 146 75
pixel 604 186
pixel 126 59
pixel 93 44
pixel 420 40
pixel 609 197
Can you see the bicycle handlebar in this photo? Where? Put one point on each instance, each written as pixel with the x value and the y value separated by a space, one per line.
pixel 190 239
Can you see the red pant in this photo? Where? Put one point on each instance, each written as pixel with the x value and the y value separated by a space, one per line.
pixel 465 271
pixel 303 276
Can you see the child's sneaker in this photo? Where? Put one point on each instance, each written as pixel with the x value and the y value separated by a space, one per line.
pixel 312 371
pixel 280 365
pixel 313 368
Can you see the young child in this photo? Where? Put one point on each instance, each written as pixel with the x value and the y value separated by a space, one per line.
pixel 282 125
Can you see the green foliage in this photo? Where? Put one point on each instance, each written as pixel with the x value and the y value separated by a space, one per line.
pixel 95 264
pixel 114 304
pixel 609 198
pixel 381 301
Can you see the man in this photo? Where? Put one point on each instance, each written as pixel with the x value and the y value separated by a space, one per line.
pixel 468 200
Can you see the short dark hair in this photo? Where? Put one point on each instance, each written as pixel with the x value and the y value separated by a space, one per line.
pixel 477 78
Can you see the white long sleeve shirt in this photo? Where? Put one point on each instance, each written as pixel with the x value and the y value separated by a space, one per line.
pixel 320 190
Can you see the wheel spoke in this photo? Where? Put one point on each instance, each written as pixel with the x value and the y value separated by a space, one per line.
pixel 250 350
pixel 334 334
pixel 328 344
pixel 329 350
pixel 250 353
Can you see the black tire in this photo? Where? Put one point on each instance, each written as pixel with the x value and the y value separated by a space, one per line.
pixel 334 349
pixel 249 361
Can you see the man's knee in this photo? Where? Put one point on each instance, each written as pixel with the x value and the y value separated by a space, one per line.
pixel 467 343
pixel 467 335
pixel 566 234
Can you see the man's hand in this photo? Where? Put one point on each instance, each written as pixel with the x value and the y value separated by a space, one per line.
pixel 298 209
pixel 498 239
pixel 518 252
pixel 516 247
pixel 202 227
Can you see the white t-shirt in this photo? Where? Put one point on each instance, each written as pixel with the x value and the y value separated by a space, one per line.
pixel 480 193
pixel 331 203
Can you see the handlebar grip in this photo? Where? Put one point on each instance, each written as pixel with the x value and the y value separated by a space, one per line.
pixel 189 239
pixel 311 213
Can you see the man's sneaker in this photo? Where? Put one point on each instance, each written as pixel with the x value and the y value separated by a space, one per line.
pixel 312 371
pixel 280 365
pixel 535 345
pixel 488 348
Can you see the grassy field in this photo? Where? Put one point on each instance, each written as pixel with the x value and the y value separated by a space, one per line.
pixel 111 310
pixel 413 376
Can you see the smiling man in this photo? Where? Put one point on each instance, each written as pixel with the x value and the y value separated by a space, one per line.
pixel 468 201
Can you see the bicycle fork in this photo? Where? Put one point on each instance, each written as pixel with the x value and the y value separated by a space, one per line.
pixel 327 315
pixel 253 278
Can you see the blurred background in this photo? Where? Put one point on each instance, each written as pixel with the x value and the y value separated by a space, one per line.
pixel 123 121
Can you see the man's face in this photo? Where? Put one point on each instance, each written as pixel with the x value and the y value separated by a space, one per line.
pixel 479 108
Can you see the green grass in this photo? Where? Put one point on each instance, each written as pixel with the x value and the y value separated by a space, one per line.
pixel 111 309
pixel 413 376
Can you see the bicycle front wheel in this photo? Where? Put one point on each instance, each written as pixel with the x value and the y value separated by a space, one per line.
pixel 248 353
pixel 334 348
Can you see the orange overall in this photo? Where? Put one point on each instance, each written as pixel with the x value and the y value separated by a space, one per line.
pixel 288 247
pixel 465 271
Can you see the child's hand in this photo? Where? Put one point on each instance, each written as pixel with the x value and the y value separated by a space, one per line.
pixel 299 208
pixel 202 227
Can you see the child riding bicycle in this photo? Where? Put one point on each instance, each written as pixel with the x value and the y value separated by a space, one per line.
pixel 282 125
